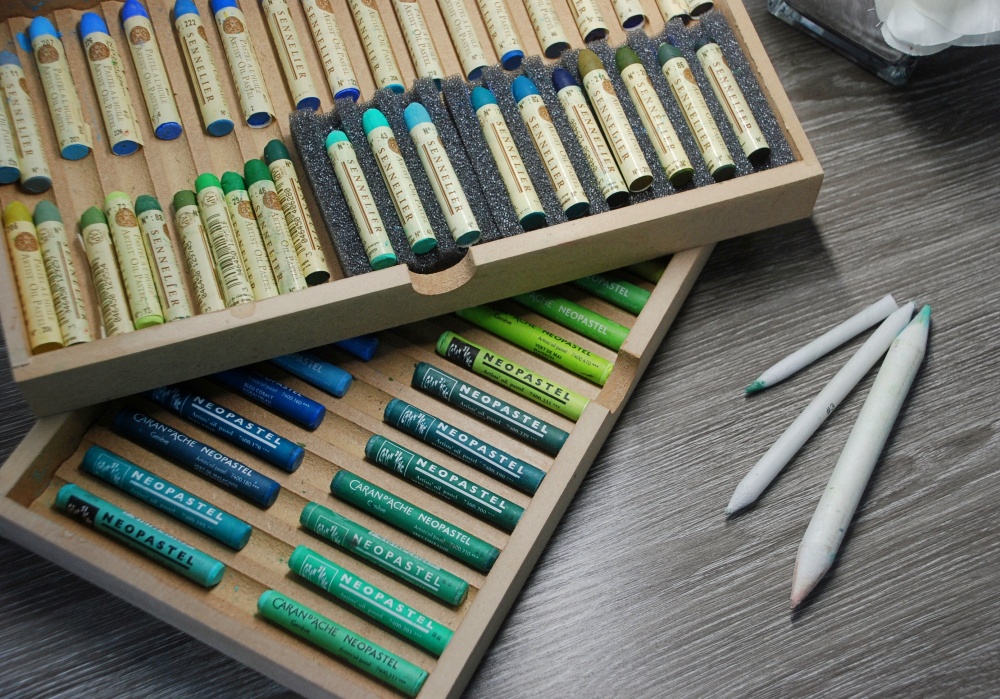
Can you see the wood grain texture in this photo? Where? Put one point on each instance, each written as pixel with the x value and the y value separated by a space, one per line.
pixel 645 589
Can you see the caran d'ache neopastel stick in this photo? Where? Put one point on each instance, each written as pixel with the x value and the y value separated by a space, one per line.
pixel 34 168
pixel 128 529
pixel 332 50
pixel 72 130
pixel 108 73
pixel 562 176
pixel 420 524
pixel 514 174
pixel 156 89
pixel 274 396
pixel 41 322
pixel 488 408
pixel 515 377
pixel 662 135
pixel 316 372
pixel 204 75
pixel 854 467
pixel 163 259
pixel 616 291
pixel 695 110
pixel 104 271
pixel 248 77
pixel 61 272
pixel 384 554
pixel 575 317
pixel 624 145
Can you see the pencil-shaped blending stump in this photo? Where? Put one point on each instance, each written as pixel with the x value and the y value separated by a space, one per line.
pixel 653 116
pixel 156 89
pixel 297 216
pixel 41 321
pixel 235 428
pixel 437 165
pixel 291 54
pixel 470 399
pixel 167 497
pixel 551 150
pixel 273 227
pixel 126 528
pixel 464 493
pixel 197 252
pixel 367 598
pixel 630 13
pixel 108 73
pixel 167 273
pixel 258 111
pixel 198 457
pixel 361 204
pixel 465 447
pixel 792 439
pixel 674 9
pixel 376 44
pixel 342 643
pixel 72 130
pixel 384 554
pixel 418 40
pixel 201 69
pixel 624 145
pixel 588 134
pixel 316 372
pixel 396 176
pixel 575 317
pixel 130 250
pixel 514 174
pixel 418 523
pixel 541 342
pixel 275 396
pixel 104 272
pixel 10 165
pixel 827 342
pixel 548 29
pixel 503 33
pixel 589 19
pixel 730 96
pixel 35 175
pixel 525 382
pixel 616 291
pixel 463 37
pixel 61 272
pixel 253 252
pixel 695 110
pixel 850 476
pixel 332 50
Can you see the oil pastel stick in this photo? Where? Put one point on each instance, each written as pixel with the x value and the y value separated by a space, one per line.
pixel 200 514
pixel 197 253
pixel 589 19
pixel 201 69
pixel 367 598
pixel 194 455
pixel 384 554
pixel 316 372
pixel 35 175
pixel 342 643
pixel 156 89
pixel 274 396
pixel 463 37
pixel 72 130
pixel 61 272
pixel 418 40
pixel 488 408
pixel 128 529
pixel 108 74
pixel 376 44
pixel 214 214
pixel 140 289
pixel 10 164
pixel 253 252
pixel 104 272
pixel 332 50
pixel 273 227
pixel 576 318
pixel 230 425
pixel 418 523
pixel 548 29
pixel 258 111
pixel 674 9
pixel 291 55
pixel 476 452
pixel 363 346
pixel 40 319
pixel 630 13
pixel 160 251
pixel 619 292
pixel 503 33
pixel 465 493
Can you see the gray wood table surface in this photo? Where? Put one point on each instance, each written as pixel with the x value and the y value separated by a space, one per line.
pixel 646 589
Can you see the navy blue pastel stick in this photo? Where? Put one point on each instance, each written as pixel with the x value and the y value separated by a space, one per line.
pixel 200 458
pixel 363 346
pixel 315 371
pixel 230 425
pixel 276 397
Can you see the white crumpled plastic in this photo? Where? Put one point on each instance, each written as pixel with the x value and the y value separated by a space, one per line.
pixel 922 27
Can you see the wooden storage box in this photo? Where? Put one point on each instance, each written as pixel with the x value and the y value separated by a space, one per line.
pixel 344 307
pixel 225 616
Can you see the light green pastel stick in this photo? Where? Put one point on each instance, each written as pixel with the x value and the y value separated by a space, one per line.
pixel 342 643
pixel 539 341
pixel 616 291
pixel 575 317
pixel 651 270
pixel 353 590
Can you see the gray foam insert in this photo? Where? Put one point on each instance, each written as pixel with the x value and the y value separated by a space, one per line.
pixel 459 130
